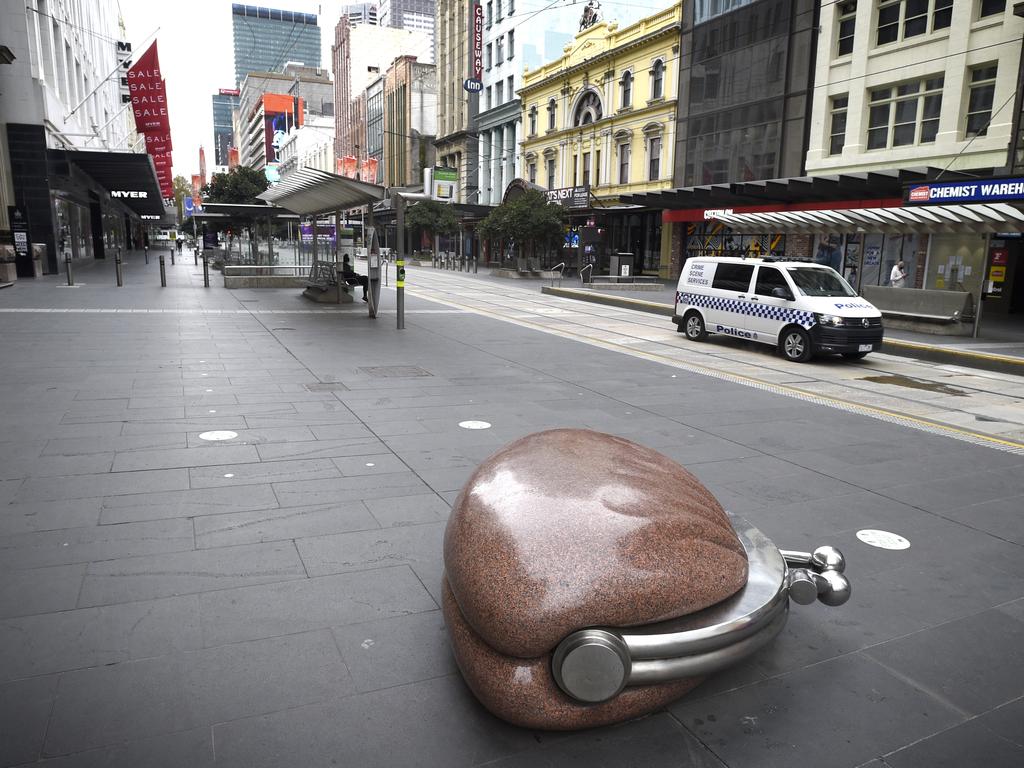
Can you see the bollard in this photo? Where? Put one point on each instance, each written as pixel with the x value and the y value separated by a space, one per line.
pixel 163 272
pixel 195 255
pixel 475 261
pixel 117 268
pixel 67 265
pixel 206 272
pixel 146 249
pixel 172 256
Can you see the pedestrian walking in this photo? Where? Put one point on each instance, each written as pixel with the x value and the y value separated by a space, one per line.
pixel 181 243
pixel 898 276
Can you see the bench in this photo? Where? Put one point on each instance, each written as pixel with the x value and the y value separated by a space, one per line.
pixel 923 310
pixel 324 285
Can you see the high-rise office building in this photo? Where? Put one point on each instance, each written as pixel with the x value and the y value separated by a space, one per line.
pixel 224 103
pixel 267 38
pixel 410 14
pixel 360 13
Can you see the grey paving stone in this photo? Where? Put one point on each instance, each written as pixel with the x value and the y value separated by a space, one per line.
pixel 446 479
pixel 193 503
pixel 1005 721
pixel 8 489
pixel 1001 518
pixel 48 515
pixel 940 494
pixel 969 743
pixel 222 475
pixel 314 492
pixel 56 466
pixel 651 742
pixel 184 457
pixel 310 420
pixel 411 545
pixel 395 651
pixel 83 445
pixel 251 613
pixel 107 705
pixel 370 464
pixel 319 449
pixel 976 663
pixel 433 722
pixel 178 573
pixel 111 484
pixel 279 524
pixel 409 510
pixel 257 437
pixel 40 590
pixel 235 423
pixel 100 542
pixel 92 637
pixel 339 431
pixel 24 711
pixel 769 724
pixel 123 414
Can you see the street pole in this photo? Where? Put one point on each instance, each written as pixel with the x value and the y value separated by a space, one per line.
pixel 400 261
pixel 117 268
pixel 981 288
pixel 206 271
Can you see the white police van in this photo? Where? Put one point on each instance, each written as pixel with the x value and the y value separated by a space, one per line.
pixel 802 308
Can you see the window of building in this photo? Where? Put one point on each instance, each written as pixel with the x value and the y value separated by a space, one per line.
pixel 837 135
pixel 991 8
pixel 487 56
pixel 847 25
pixel 597 168
pixel 531 171
pixel 490 13
pixel 979 104
pixel 626 90
pixel 905 114
pixel 575 170
pixel 487 99
pixel 533 121
pixel 902 19
pixel 624 163
pixel 654 158
pixel 658 79
pixel 588 110
pixel 511 87
pixel 511 7
pixel 499 93
pixel 511 42
pixel 497 14
pixel 551 172
pixel 586 169
pixel 499 50
pixel 551 115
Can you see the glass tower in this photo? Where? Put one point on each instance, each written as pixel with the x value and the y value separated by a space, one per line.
pixel 223 104
pixel 267 38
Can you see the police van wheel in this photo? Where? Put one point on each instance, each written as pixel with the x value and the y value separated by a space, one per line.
pixel 693 327
pixel 795 344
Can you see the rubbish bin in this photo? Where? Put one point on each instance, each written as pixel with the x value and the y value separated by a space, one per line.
pixel 621 267
pixel 569 608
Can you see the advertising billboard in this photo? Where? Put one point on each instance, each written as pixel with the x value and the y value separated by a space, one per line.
pixel 280 113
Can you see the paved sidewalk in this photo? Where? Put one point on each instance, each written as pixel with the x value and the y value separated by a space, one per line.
pixel 272 599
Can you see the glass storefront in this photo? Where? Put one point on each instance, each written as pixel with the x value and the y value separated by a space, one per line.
pixel 73 229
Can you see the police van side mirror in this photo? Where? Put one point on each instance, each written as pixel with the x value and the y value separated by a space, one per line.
pixel 782 293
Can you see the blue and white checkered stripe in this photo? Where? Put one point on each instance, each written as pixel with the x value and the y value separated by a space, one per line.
pixel 752 308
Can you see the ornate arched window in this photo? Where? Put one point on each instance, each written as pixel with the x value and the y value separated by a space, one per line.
pixel 626 90
pixel 552 107
pixel 533 121
pixel 588 109
pixel 658 79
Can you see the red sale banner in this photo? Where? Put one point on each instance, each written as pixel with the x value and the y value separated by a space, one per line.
pixel 148 94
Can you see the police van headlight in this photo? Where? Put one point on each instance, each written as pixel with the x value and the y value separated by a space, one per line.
pixel 829 320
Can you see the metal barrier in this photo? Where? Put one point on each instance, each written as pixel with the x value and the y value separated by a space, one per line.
pixel 589 269
pixel 559 268
pixel 117 268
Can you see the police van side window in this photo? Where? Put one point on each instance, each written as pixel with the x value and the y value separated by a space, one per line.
pixel 733 277
pixel 768 278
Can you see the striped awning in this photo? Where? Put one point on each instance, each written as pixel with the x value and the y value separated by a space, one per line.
pixel 313 191
pixel 971 218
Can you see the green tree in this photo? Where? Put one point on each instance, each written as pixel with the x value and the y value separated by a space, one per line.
pixel 431 216
pixel 239 185
pixel 182 189
pixel 528 221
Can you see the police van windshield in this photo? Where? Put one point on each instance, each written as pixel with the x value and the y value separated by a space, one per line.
pixel 819 281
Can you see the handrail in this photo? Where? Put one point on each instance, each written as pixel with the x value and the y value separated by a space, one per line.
pixel 560 267
pixel 591 268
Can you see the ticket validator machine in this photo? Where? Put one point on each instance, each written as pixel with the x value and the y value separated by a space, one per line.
pixel 373 269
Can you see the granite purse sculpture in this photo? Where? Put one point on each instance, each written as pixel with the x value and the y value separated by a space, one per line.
pixel 590 580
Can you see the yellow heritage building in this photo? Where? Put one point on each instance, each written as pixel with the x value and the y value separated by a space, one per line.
pixel 603 116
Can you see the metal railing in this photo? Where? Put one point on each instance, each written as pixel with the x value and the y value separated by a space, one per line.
pixel 559 268
pixel 589 269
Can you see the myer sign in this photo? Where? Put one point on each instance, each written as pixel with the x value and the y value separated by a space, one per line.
pixel 967 191
pixel 128 193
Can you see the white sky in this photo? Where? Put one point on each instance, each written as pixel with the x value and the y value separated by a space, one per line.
pixel 197 54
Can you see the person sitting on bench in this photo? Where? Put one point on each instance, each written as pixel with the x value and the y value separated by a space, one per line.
pixel 348 274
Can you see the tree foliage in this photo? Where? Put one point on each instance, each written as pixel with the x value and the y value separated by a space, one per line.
pixel 182 189
pixel 527 220
pixel 239 185
pixel 432 216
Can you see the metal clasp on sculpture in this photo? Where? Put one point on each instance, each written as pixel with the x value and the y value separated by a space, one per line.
pixel 595 664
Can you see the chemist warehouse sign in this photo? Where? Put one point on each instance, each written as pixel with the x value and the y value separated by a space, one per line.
pixel 987 191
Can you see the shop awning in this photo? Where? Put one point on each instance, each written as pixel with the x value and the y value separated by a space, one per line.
pixel 847 186
pixel 309 191
pixel 969 218
pixel 243 212
pixel 129 177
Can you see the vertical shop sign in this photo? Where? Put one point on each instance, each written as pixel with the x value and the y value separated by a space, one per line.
pixel 478 41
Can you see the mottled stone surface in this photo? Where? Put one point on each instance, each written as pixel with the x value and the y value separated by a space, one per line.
pixel 571 528
pixel 523 692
